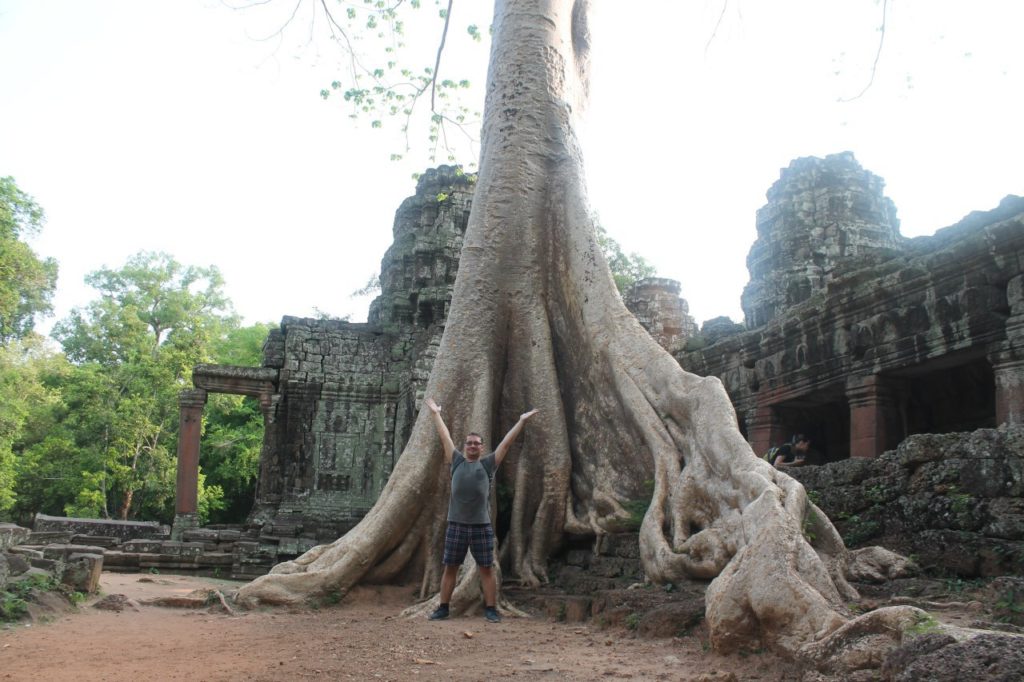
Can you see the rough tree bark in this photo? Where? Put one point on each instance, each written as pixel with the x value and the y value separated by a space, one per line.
pixel 536 321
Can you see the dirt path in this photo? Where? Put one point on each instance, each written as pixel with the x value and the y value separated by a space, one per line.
pixel 363 638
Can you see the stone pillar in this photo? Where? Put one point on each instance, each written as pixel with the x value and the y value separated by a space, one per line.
pixel 764 429
pixel 875 421
pixel 186 496
pixel 1008 368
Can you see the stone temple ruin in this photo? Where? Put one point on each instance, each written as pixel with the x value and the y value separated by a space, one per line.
pixel 854 334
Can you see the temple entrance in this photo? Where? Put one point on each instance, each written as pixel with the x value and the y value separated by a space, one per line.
pixel 946 399
pixel 824 417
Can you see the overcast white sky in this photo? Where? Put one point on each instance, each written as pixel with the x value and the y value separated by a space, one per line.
pixel 160 125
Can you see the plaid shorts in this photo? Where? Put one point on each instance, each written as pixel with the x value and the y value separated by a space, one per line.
pixel 478 538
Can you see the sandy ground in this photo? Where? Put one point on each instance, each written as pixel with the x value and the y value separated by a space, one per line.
pixel 362 638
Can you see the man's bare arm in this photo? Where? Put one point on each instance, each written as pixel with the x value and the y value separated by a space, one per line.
pixel 506 442
pixel 442 430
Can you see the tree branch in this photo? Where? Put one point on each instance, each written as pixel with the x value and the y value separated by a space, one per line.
pixel 437 62
pixel 878 55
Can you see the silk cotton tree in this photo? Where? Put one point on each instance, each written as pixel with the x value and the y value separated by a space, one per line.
pixel 536 322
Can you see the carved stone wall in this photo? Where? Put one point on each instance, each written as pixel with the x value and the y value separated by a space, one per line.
pixel 820 214
pixel 954 501
pixel 348 393
pixel 657 305
pixel 927 340
pixel 864 338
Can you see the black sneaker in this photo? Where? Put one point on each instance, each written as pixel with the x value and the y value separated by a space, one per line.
pixel 440 613
pixel 491 614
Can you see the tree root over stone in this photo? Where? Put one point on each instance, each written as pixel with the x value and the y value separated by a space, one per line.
pixel 536 322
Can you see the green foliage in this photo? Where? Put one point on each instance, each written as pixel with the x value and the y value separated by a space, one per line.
pixel 133 350
pixel 811 521
pixel 233 433
pixel 857 529
pixel 961 503
pixel 25 401
pixel 959 586
pixel 27 282
pixel 877 494
pixel 924 624
pixel 627 269
pixel 15 598
pixel 231 444
pixel 1009 607
pixel 637 508
pixel 633 621
pixel 12 608
pixel 381 80
pixel 97 437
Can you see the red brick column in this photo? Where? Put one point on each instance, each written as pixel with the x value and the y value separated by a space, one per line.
pixel 189 431
pixel 764 429
pixel 875 421
pixel 1008 368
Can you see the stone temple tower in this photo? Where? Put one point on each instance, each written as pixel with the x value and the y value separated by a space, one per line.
pixel 820 213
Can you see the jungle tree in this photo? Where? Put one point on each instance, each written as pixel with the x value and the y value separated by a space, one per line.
pixel 536 321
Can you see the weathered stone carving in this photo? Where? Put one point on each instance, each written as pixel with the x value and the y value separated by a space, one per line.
pixel 854 335
pixel 893 337
pixel 657 305
pixel 347 393
pixel 953 501
pixel 820 214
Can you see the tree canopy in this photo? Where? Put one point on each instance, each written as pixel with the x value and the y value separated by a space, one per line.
pixel 27 281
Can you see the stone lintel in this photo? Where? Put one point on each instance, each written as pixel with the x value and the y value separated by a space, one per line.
pixel 250 381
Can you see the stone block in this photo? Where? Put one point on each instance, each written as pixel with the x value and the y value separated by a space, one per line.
pixel 16 563
pixel 48 537
pixel 246 547
pixel 578 557
pixel 116 559
pixel 95 541
pixel 215 559
pixel 48 565
pixel 63 551
pixel 102 527
pixel 167 562
pixel 5 571
pixel 143 546
pixel 623 545
pixel 181 549
pixel 1006 516
pixel 27 552
pixel 11 535
pixel 984 477
pixel 82 572
pixel 228 535
pixel 202 535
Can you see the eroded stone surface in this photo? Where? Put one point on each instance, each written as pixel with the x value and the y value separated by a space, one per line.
pixel 953 501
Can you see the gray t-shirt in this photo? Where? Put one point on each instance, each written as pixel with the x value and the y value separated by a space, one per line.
pixel 471 489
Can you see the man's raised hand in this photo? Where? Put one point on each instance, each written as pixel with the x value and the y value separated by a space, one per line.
pixel 433 406
pixel 526 415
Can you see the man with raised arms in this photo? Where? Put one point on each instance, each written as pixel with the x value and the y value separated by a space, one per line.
pixel 469 519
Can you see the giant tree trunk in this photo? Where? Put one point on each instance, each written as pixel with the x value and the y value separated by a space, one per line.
pixel 536 321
